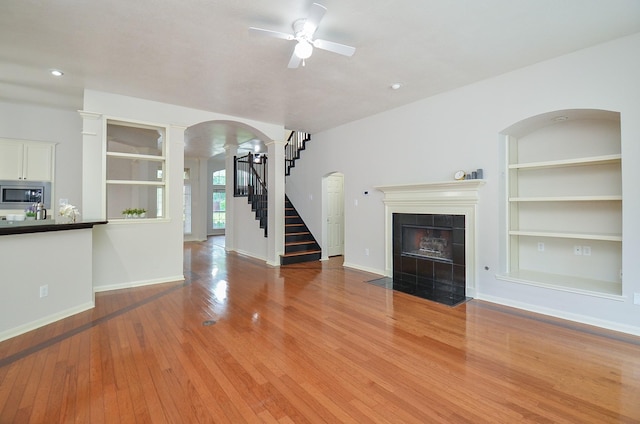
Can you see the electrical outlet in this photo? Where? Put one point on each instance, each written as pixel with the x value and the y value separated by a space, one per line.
pixel 366 251
pixel 577 250
pixel 540 247
pixel 636 298
pixel 586 250
pixel 44 290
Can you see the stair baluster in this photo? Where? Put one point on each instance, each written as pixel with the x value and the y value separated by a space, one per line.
pixel 250 180
pixel 295 144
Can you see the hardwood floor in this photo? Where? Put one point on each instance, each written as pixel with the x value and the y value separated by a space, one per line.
pixel 308 343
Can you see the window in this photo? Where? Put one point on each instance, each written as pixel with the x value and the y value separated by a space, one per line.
pixel 220 177
pixel 135 171
pixel 219 208
pixel 219 200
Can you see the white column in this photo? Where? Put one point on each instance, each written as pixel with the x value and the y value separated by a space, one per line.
pixel 275 192
pixel 174 152
pixel 93 184
pixel 229 231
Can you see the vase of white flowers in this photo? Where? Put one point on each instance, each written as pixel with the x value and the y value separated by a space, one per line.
pixel 69 212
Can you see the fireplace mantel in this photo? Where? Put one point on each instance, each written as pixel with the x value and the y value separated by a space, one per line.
pixel 448 197
pixel 446 191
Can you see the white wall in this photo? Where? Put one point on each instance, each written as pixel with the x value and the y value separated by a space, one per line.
pixel 428 140
pixel 59 259
pixel 31 122
pixel 130 253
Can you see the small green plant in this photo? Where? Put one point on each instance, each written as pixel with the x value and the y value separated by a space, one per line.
pixel 30 214
pixel 133 212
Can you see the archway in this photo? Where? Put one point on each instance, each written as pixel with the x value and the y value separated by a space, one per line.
pixel 206 144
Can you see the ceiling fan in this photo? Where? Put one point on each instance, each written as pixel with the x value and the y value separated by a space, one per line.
pixel 303 30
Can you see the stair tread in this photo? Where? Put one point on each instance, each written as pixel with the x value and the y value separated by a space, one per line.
pixel 298 243
pixel 303 252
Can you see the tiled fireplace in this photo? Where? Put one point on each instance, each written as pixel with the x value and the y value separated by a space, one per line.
pixel 430 239
pixel 429 256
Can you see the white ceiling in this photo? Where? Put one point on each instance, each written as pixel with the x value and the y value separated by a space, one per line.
pixel 199 53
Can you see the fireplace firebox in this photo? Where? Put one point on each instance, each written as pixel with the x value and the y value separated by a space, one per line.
pixel 427 242
pixel 429 256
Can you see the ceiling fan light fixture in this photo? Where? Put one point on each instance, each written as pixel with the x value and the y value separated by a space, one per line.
pixel 303 49
pixel 309 27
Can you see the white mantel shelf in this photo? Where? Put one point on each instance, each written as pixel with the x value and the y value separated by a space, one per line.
pixel 447 197
pixel 452 191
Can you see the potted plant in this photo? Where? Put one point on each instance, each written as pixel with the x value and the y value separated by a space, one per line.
pixel 134 213
pixel 30 213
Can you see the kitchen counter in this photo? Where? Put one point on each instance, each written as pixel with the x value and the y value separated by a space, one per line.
pixel 43 226
pixel 47 272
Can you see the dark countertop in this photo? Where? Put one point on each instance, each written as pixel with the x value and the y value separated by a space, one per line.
pixel 28 227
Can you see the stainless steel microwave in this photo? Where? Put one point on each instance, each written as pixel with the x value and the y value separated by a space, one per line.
pixel 22 194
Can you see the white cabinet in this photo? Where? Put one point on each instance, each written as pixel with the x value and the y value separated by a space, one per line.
pixel 26 160
pixel 564 202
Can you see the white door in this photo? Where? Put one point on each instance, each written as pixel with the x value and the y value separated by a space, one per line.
pixel 335 215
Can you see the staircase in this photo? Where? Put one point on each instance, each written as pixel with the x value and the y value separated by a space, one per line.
pixel 250 180
pixel 299 243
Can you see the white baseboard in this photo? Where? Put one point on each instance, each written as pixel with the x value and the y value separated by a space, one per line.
pixel 249 254
pixel 583 319
pixel 140 283
pixel 25 328
pixel 363 268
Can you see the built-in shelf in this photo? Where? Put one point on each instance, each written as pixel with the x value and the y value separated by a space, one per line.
pixel 568 235
pixel 593 160
pixel 607 198
pixel 562 195
pixel 598 288
pixel 134 156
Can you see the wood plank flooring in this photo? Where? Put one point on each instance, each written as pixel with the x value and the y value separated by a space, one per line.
pixel 240 342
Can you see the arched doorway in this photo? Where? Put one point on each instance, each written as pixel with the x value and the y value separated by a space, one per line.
pixel 205 194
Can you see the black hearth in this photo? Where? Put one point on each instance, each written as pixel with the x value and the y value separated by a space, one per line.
pixel 429 256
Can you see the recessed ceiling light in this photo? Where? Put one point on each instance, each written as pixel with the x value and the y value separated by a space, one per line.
pixel 56 72
pixel 396 85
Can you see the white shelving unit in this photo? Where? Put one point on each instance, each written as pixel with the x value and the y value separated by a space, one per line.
pixel 564 202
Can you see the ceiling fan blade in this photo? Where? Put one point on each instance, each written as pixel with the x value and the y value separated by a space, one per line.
pixel 315 16
pixel 294 62
pixel 334 47
pixel 269 33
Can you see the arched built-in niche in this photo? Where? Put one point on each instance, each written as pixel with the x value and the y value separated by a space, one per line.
pixel 563 199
